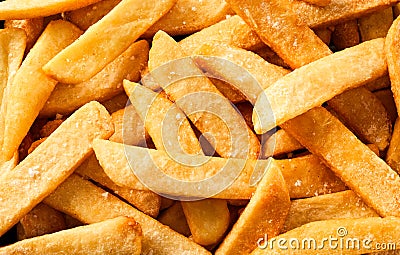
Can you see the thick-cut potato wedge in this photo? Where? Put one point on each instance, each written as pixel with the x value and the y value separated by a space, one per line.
pixel 367 232
pixel 358 167
pixel 393 153
pixel 36 8
pixel 101 87
pixel 116 103
pixel 166 123
pixel 174 217
pixel 232 31
pixel 32 27
pixel 364 114
pixel 301 90
pixel 230 92
pixel 40 221
pixel 208 219
pixel 106 40
pixel 89 15
pixel 280 143
pixel 189 16
pixel 380 83
pixel 200 100
pixel 346 35
pixel 396 10
pixel 31 87
pixel 261 74
pixel 282 30
pixel 340 205
pixel 270 56
pixel 265 214
pixel 51 163
pixel 307 176
pixel 146 201
pixel 386 98
pixel 324 33
pixel 86 202
pixel 120 236
pixel 392 52
pixel 376 24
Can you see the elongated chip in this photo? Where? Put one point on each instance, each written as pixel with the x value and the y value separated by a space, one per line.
pixel 121 235
pixel 364 113
pixel 36 8
pixel 51 163
pixel 359 236
pixel 230 92
pixel 200 100
pixel 283 96
pixel 86 202
pixel 392 56
pixel 324 33
pixel 281 30
pixel 271 196
pixel 116 103
pixel 393 155
pixel 376 24
pixel 96 48
pixel 32 27
pixel 280 143
pixel 175 219
pixel 340 205
pixel 380 83
pixel 367 175
pixel 386 98
pixel 31 87
pixel 101 87
pixel 346 35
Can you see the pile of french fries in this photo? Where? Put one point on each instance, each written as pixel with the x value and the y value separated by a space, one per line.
pixel 200 127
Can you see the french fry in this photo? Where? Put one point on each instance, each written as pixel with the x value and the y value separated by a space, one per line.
pixel 346 35
pixel 146 201
pixel 386 98
pixel 35 8
pixel 368 231
pixel 392 155
pixel 270 56
pixel 208 220
pixel 116 103
pixel 32 27
pixel 103 86
pixel 89 15
pixel 51 163
pixel 364 113
pixel 31 87
pixel 229 91
pixel 318 2
pixel 392 53
pixel 325 34
pixel 376 24
pixel 380 83
pixel 260 71
pixel 374 148
pixel 86 202
pixel 121 235
pixel 396 10
pixel 190 16
pixel 105 40
pixel 282 30
pixel 271 196
pixel 213 114
pixel 71 222
pixel 368 56
pixel 340 205
pixel 307 176
pixel 367 175
pixel 246 109
pixel 280 143
pixel 40 221
pixel 175 219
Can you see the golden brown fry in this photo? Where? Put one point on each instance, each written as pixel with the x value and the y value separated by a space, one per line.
pixel 28 9
pixel 51 163
pixel 229 91
pixel 89 15
pixel 396 10
pixel 265 214
pixel 376 24
pixel 262 74
pixel 307 176
pixel 105 40
pixel 281 30
pixel 392 52
pixel 346 35
pixel 116 103
pixel 340 205
pixel 86 202
pixel 103 86
pixel 270 56
pixel 386 98
pixel 374 148
pixel 307 80
pixel 189 16
pixel 31 87
pixel 393 153
pixel 174 218
pixel 380 83
pixel 359 235
pixel 212 112
pixel 358 167
pixel 318 2
pixel 325 34
pixel 364 114
pixel 71 222
pixel 40 221
pixel 280 143
pixel 32 27
pixel 120 236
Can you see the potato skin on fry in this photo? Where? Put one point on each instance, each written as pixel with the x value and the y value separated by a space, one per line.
pixel 392 52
